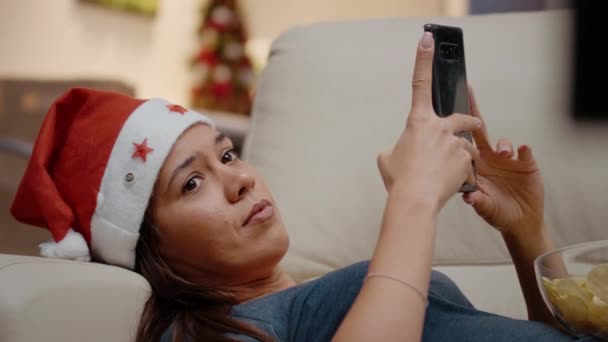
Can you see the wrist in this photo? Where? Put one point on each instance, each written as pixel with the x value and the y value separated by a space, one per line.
pixel 525 233
pixel 414 196
pixel 531 243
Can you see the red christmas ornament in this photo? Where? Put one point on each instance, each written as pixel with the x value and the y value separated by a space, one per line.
pixel 177 109
pixel 216 26
pixel 222 89
pixel 208 57
pixel 245 62
pixel 141 150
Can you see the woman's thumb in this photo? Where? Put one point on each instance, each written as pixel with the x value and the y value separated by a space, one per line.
pixel 481 202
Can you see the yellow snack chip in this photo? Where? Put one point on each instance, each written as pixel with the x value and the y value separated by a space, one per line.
pixel 551 288
pixel 570 288
pixel 574 310
pixel 546 280
pixel 580 281
pixel 597 282
pixel 598 314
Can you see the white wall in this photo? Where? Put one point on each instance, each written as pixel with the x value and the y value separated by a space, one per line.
pixel 269 17
pixel 65 38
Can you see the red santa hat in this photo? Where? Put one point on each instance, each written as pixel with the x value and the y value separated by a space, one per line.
pixel 93 169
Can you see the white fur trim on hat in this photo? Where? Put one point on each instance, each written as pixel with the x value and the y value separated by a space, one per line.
pixel 128 182
pixel 72 246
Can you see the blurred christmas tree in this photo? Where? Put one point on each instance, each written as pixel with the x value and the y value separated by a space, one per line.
pixel 223 73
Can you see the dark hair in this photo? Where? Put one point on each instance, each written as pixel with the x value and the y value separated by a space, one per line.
pixel 195 312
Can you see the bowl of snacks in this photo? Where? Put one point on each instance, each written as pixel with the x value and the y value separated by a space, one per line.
pixel 574 284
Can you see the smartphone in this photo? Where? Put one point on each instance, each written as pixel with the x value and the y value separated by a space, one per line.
pixel 450 91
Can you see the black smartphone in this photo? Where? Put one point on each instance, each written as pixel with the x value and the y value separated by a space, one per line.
pixel 450 90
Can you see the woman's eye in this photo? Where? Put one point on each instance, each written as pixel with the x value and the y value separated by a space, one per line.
pixel 192 184
pixel 229 156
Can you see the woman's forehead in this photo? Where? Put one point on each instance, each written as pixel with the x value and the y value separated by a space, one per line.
pixel 197 139
pixel 200 132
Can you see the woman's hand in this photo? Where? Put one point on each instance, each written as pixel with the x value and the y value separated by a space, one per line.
pixel 428 158
pixel 510 192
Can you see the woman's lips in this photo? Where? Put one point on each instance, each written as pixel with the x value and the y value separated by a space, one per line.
pixel 261 211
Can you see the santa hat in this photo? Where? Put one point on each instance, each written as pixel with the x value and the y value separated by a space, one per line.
pixel 93 169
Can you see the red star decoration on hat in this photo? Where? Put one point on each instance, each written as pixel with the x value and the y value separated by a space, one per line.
pixel 141 150
pixel 177 108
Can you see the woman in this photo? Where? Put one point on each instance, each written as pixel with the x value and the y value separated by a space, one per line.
pixel 153 187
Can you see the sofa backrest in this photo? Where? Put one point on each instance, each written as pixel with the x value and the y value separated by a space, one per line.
pixel 336 94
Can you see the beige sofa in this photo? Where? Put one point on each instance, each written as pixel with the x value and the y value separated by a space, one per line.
pixel 334 95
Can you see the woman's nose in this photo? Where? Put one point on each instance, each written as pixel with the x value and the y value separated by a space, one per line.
pixel 239 185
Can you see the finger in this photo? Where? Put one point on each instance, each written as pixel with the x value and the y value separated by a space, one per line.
pixel 471 178
pixel 422 78
pixel 504 147
pixel 481 136
pixel 462 123
pixel 470 148
pixel 524 153
pixel 482 203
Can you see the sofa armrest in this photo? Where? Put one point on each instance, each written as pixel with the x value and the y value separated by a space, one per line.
pixel 68 300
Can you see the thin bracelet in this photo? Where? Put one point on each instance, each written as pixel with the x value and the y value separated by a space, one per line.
pixel 401 281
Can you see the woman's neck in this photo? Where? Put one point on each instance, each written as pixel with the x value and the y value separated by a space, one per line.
pixel 277 281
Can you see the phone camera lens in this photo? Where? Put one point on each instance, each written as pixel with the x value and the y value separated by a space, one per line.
pixel 449 51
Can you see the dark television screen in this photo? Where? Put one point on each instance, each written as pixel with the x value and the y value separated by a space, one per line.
pixel 590 60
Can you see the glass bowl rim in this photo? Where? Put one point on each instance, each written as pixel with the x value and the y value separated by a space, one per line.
pixel 578 245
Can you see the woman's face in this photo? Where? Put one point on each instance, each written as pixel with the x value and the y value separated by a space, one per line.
pixel 202 206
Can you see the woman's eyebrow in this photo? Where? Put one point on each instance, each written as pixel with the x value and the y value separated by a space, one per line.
pixel 179 168
pixel 219 138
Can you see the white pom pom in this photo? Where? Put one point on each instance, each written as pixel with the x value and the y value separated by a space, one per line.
pixel 222 15
pixel 72 247
pixel 222 73
pixel 233 51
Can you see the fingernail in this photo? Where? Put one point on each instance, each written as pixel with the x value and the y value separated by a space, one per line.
pixel 502 148
pixel 479 123
pixel 427 40
pixel 468 200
